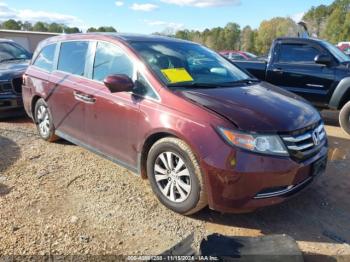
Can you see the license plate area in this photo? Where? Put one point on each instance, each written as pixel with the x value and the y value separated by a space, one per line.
pixel 319 167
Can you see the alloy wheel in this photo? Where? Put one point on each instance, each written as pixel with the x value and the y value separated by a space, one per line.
pixel 172 177
pixel 43 121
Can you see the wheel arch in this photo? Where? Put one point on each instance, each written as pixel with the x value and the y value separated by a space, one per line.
pixel 34 101
pixel 341 94
pixel 345 98
pixel 150 141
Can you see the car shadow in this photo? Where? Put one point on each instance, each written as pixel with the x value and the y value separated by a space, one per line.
pixel 64 142
pixel 10 152
pixel 23 119
pixel 28 120
pixel 320 214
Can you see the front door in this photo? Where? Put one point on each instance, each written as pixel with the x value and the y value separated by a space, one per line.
pixel 296 71
pixel 112 121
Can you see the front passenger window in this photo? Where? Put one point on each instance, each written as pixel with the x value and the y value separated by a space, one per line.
pixel 297 53
pixel 109 60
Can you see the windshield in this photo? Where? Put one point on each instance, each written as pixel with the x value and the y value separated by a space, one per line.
pixel 11 51
pixel 182 64
pixel 337 53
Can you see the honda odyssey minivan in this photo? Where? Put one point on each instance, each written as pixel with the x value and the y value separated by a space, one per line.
pixel 202 131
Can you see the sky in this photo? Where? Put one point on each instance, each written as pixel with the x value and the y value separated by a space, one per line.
pixel 135 16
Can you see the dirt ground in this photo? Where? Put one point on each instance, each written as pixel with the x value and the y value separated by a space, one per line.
pixel 61 199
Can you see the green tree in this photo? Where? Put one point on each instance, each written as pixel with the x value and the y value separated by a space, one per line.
pixel 248 39
pixel 40 27
pixel 271 29
pixel 210 41
pixel 330 22
pixel 102 29
pixel 11 25
pixel 183 34
pixel 71 30
pixel 334 26
pixel 232 32
pixel 316 19
pixel 106 29
pixel 345 33
pixel 27 26
pixel 55 28
pixel 91 29
pixel 197 37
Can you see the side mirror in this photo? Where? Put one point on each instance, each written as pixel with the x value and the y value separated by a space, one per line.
pixel 119 83
pixel 323 59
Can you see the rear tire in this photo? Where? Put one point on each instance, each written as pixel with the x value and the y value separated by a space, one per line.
pixel 344 118
pixel 44 122
pixel 175 176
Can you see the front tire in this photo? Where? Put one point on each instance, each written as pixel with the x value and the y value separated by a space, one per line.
pixel 344 118
pixel 44 121
pixel 175 176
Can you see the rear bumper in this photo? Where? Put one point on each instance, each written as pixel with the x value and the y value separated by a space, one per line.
pixel 11 105
pixel 239 181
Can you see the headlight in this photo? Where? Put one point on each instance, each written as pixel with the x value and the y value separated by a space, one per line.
pixel 265 144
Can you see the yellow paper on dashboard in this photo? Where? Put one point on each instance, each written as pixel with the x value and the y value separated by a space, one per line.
pixel 177 75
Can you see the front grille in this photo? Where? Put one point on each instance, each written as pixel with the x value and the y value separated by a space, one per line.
pixel 5 87
pixel 17 84
pixel 307 143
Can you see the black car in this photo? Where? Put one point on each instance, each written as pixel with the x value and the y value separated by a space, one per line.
pixel 14 60
pixel 312 68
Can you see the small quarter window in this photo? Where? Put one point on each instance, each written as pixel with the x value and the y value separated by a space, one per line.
pixel 142 88
pixel 45 58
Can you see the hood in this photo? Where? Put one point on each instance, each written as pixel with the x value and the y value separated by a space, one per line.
pixel 11 69
pixel 259 108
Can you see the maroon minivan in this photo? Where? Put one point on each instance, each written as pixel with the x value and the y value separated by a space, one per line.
pixel 202 131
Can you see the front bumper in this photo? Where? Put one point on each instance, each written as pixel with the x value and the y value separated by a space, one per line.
pixel 238 181
pixel 10 105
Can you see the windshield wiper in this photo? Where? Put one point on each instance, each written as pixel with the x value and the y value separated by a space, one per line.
pixel 243 81
pixel 13 59
pixel 215 85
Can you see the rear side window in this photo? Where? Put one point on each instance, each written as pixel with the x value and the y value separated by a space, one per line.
pixel 297 53
pixel 110 59
pixel 45 58
pixel 73 57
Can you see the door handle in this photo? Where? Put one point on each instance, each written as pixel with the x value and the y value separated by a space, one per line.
pixel 84 97
pixel 277 70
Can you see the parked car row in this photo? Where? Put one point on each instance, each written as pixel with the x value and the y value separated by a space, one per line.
pixel 200 129
pixel 238 55
pixel 345 47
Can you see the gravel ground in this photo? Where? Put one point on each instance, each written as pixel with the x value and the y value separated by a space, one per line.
pixel 61 199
